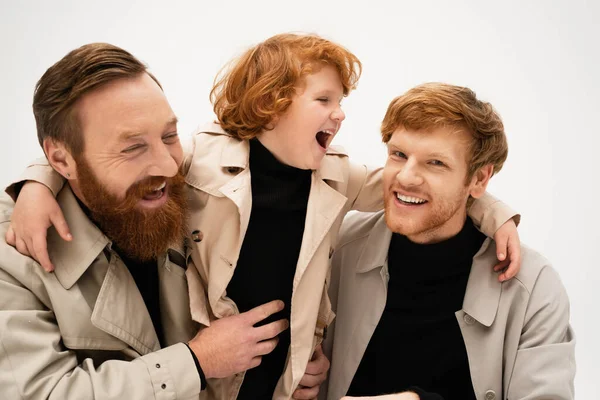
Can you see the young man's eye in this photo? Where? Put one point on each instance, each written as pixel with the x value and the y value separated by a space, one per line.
pixel 399 154
pixel 437 163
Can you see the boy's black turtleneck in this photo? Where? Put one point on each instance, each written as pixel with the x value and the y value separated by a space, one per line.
pixel 418 344
pixel 267 264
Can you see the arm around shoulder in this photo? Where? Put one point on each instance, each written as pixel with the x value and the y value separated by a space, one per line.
pixel 38 171
pixel 365 188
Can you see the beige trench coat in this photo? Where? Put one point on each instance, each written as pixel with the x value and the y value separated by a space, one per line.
pixel 84 331
pixel 517 334
pixel 220 202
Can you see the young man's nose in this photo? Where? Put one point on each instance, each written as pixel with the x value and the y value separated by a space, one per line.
pixel 409 175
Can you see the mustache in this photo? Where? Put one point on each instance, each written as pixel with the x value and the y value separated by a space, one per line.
pixel 147 185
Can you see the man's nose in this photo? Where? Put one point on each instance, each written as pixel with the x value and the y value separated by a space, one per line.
pixel 409 175
pixel 163 162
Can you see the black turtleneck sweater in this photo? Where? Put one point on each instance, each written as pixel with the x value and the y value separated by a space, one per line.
pixel 417 344
pixel 267 264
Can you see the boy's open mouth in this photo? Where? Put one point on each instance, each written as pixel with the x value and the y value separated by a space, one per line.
pixel 323 138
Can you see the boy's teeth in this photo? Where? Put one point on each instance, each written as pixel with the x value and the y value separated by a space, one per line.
pixel 409 199
pixel 161 187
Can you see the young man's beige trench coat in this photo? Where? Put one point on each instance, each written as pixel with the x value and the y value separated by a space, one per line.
pixel 220 202
pixel 517 334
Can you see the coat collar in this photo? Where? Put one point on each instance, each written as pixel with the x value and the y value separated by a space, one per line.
pixel 73 258
pixel 237 155
pixel 375 250
pixel 482 295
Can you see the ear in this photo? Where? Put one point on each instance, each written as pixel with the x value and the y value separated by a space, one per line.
pixel 481 180
pixel 272 124
pixel 60 158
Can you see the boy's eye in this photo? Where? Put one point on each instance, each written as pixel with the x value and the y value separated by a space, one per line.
pixel 323 99
pixel 170 138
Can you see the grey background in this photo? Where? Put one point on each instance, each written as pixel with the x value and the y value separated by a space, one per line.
pixel 536 61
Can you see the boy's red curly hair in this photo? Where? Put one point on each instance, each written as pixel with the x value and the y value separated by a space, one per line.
pixel 261 83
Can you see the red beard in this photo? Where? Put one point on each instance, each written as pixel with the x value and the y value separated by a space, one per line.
pixel 139 233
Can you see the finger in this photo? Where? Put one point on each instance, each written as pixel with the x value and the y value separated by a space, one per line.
pixel 318 366
pixel 10 236
pixel 515 261
pixel 266 346
pixel 501 245
pixel 29 245
pixel 306 393
pixel 502 265
pixel 270 330
pixel 312 380
pixel 255 362
pixel 22 247
pixel 40 248
pixel 264 311
pixel 60 224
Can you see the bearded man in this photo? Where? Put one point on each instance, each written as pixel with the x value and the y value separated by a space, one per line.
pixel 113 321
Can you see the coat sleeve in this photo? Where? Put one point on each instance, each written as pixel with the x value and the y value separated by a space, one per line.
pixel 39 170
pixel 365 188
pixel 365 193
pixel 35 364
pixel 489 214
pixel 545 362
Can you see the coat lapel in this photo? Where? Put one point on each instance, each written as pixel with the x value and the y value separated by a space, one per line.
pixel 121 312
pixel 177 322
pixel 324 207
pixel 361 303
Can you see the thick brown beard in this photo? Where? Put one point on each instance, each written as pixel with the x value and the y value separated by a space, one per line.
pixel 141 234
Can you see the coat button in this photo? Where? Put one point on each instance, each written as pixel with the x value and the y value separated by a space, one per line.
pixel 197 236
pixel 469 321
pixel 490 395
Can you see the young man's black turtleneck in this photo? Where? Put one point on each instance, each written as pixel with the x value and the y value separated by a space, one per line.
pixel 267 264
pixel 417 344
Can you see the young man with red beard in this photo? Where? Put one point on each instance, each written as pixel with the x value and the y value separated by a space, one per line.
pixel 420 314
pixel 114 320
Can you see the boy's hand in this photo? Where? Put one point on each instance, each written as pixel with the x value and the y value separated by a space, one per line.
pixel 35 211
pixel 314 376
pixel 508 250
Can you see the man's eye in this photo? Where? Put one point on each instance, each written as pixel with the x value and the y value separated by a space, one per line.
pixel 437 163
pixel 133 148
pixel 399 154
